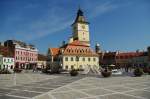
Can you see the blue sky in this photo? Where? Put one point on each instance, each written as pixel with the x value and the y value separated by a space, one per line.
pixel 115 24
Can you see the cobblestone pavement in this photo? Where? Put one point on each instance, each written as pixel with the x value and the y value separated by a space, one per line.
pixel 41 86
pixel 29 85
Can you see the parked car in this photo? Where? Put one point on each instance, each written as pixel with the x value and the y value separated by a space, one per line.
pixel 116 72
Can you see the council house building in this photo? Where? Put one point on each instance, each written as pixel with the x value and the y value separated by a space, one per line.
pixel 76 54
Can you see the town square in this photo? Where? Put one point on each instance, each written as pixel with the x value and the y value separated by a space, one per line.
pixel 41 86
pixel 74 50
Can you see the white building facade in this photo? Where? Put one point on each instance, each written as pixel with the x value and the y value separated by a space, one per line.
pixel 8 63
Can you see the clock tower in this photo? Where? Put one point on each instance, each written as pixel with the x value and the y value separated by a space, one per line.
pixel 81 28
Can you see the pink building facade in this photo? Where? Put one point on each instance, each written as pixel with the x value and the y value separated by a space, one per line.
pixel 25 56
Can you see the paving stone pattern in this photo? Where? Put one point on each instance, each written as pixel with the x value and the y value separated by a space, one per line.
pixel 28 90
pixel 103 88
pixel 41 86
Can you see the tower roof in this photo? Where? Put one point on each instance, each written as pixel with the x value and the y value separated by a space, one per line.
pixel 80 12
pixel 80 17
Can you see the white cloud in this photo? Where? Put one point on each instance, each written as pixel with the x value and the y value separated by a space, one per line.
pixel 100 9
pixel 47 24
pixel 52 22
pixel 42 30
pixel 46 31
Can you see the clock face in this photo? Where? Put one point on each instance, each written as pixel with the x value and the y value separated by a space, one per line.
pixel 83 27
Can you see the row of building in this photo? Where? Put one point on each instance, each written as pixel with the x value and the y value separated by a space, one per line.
pixel 124 59
pixel 77 53
pixel 17 54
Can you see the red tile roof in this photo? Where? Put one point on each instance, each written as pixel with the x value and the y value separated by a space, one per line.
pixel 6 52
pixel 74 48
pixel 55 51
pixel 42 57
pixel 131 54
pixel 78 43
pixel 79 48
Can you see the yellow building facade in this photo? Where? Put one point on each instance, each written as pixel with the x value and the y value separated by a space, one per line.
pixel 76 54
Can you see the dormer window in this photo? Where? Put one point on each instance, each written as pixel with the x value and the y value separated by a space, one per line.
pixel 80 51
pixel 86 50
pixel 68 50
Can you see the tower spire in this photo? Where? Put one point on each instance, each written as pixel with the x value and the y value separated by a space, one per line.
pixel 80 17
pixel 80 12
